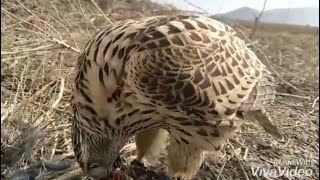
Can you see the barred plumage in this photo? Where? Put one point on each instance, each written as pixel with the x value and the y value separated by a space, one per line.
pixel 182 74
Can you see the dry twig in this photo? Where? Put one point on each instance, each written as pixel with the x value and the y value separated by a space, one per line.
pixel 240 162
pixel 107 19
pixel 293 95
pixel 314 102
pixel 65 45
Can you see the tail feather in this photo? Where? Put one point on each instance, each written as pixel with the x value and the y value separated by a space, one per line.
pixel 263 93
pixel 264 119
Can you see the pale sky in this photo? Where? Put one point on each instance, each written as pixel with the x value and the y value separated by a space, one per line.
pixel 222 6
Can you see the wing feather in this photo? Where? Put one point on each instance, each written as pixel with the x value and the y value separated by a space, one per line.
pixel 194 63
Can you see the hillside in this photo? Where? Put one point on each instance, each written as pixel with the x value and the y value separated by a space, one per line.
pixel 296 16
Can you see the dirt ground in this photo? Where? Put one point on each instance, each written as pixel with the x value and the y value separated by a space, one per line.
pixel 41 41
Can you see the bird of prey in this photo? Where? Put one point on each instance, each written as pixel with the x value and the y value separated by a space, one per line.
pixel 165 78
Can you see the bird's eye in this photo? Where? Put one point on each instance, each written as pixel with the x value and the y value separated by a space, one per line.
pixel 94 165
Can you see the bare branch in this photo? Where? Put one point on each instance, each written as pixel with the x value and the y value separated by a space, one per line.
pixel 191 4
pixel 64 44
pixel 256 20
pixel 41 48
pixel 95 4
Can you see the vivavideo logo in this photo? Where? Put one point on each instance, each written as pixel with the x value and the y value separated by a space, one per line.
pixel 281 172
pixel 284 168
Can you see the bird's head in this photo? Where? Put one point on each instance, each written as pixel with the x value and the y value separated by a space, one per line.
pixel 96 154
pixel 100 165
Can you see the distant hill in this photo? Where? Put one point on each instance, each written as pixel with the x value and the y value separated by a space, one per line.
pixel 297 16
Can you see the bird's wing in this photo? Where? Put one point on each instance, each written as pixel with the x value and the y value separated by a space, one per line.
pixel 193 63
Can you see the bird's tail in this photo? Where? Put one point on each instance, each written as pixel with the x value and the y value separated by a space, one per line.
pixel 252 109
pixel 263 93
pixel 265 120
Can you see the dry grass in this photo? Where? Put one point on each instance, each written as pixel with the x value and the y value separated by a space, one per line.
pixel 41 40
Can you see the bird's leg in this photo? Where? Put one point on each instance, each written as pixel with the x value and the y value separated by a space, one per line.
pixel 184 160
pixel 150 144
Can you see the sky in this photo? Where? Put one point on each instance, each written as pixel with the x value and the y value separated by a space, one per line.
pixel 222 6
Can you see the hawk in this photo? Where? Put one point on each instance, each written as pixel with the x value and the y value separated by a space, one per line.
pixel 177 77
